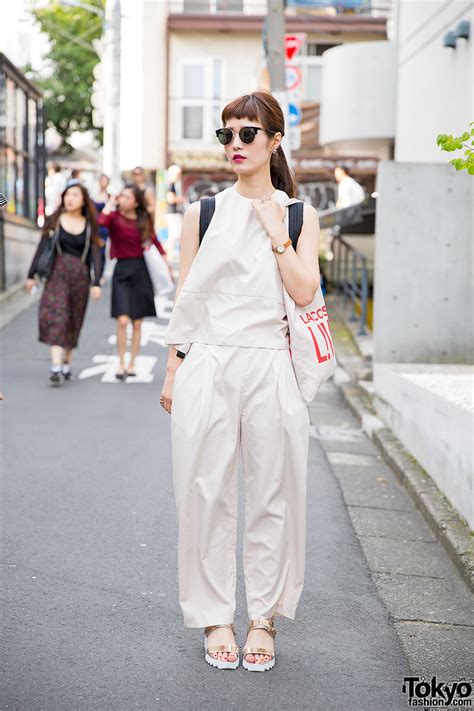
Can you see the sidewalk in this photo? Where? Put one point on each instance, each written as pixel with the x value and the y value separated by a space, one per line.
pixel 89 555
pixel 422 588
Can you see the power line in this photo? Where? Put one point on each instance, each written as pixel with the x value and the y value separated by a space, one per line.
pixel 435 35
pixel 426 22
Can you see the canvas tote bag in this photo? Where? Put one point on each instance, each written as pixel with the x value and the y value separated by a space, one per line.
pixel 311 346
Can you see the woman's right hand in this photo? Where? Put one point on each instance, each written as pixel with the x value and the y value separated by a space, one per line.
pixel 166 398
pixel 30 285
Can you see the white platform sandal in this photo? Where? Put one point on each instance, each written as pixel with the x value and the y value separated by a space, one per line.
pixel 220 663
pixel 263 624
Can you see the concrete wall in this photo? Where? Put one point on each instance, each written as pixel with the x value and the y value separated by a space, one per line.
pixel 20 242
pixel 423 264
pixel 358 92
pixel 430 409
pixel 435 83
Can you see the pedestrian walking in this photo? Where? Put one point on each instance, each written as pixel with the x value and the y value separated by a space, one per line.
pixel 131 231
pixel 101 198
pixel 235 392
pixel 349 191
pixel 174 210
pixel 139 178
pixel 64 300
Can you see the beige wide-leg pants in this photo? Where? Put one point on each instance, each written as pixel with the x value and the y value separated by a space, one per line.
pixel 229 400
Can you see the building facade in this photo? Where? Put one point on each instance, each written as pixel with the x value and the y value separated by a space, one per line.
pixel 182 61
pixel 22 159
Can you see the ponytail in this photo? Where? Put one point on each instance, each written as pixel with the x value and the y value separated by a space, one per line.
pixel 281 176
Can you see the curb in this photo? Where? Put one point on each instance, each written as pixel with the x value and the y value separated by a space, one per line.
pixel 14 301
pixel 11 292
pixel 446 524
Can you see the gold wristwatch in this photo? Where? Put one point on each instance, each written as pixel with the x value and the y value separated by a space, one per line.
pixel 280 248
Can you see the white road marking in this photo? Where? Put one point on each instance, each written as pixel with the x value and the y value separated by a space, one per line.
pixel 108 366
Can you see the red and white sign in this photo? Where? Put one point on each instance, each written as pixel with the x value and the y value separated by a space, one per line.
pixel 293 76
pixel 293 44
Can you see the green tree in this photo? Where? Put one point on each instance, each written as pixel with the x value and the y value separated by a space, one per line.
pixel 457 143
pixel 67 79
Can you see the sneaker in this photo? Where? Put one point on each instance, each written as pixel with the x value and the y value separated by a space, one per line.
pixel 56 378
pixel 67 376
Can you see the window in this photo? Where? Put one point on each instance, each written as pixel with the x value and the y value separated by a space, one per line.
pixel 199 102
pixel 192 122
pixel 213 6
pixel 314 49
pixel 229 6
pixel 21 173
pixel 311 63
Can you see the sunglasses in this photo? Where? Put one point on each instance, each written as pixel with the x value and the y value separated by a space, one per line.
pixel 246 134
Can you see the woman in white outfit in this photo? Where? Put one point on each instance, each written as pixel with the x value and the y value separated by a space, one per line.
pixel 235 393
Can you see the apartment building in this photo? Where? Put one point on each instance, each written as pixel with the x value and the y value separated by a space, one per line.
pixel 182 61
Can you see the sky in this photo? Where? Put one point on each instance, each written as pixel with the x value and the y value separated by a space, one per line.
pixel 20 40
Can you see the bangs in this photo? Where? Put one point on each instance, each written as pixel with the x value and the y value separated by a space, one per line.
pixel 244 107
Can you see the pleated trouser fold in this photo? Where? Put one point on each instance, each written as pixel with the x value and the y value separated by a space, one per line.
pixel 228 402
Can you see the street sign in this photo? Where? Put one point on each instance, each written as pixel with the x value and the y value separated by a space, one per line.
pixel 293 76
pixel 294 113
pixel 293 44
pixel 294 136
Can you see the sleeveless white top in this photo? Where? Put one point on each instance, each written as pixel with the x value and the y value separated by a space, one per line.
pixel 233 292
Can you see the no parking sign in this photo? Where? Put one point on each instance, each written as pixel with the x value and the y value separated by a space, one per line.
pixel 293 76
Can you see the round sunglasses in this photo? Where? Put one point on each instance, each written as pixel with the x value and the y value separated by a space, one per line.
pixel 246 134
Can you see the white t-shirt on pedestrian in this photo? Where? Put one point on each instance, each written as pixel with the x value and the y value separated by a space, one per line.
pixel 349 192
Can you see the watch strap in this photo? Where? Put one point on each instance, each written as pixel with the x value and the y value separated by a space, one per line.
pixel 285 245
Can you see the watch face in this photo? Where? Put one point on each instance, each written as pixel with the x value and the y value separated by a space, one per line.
pixel 280 249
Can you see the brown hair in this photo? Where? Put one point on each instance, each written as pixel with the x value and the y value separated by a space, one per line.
pixel 263 107
pixel 144 221
pixel 88 210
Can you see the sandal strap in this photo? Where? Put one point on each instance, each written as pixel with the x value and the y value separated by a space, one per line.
pixel 258 650
pixel 211 628
pixel 263 624
pixel 224 648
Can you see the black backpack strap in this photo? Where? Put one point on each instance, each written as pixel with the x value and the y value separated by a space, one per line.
pixel 295 222
pixel 295 218
pixel 208 206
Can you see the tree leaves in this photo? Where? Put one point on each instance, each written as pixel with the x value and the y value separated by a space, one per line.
pixel 451 143
pixel 67 81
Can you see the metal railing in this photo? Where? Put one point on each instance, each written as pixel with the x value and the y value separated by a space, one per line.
pixel 349 273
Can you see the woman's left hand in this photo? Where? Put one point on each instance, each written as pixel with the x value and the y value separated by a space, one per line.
pixel 270 213
pixel 96 292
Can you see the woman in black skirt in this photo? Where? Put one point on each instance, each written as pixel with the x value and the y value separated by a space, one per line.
pixel 130 230
pixel 64 300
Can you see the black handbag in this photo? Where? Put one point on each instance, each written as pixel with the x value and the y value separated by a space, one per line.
pixel 47 257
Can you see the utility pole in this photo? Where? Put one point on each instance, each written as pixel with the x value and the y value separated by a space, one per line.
pixel 111 162
pixel 276 62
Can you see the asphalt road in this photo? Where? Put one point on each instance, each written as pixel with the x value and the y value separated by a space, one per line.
pixel 90 615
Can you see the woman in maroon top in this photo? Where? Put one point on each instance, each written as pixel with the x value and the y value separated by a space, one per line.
pixel 130 230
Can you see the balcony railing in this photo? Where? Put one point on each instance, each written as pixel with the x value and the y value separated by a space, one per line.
pixel 259 7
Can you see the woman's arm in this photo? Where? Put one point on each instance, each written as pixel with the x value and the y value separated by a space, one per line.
pixel 110 206
pixel 188 250
pixel 32 269
pixel 189 245
pixel 158 245
pixel 97 264
pixel 299 270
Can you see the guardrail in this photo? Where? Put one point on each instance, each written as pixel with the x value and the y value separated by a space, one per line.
pixel 348 272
